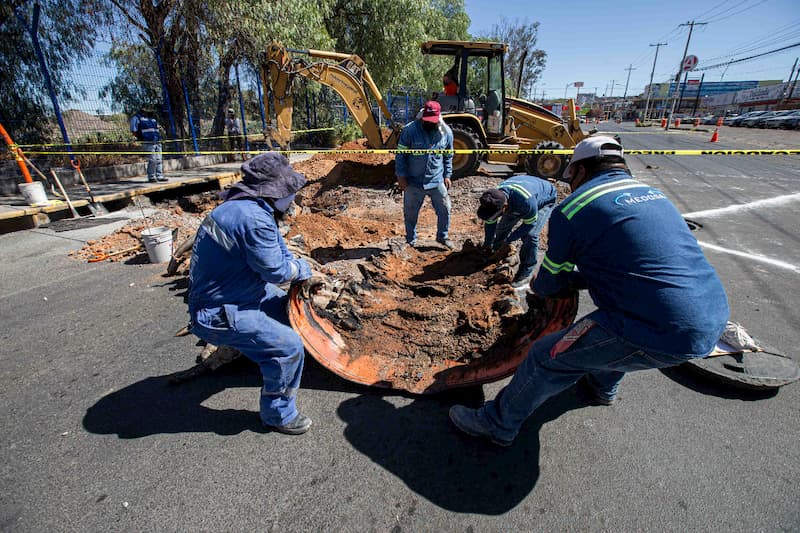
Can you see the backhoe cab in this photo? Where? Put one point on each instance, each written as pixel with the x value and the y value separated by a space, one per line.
pixel 483 117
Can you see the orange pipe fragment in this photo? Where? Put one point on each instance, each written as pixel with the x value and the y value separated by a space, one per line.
pixel 18 153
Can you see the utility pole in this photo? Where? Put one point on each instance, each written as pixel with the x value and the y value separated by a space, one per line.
pixel 691 25
pixel 613 82
pixel 788 83
pixel 652 73
pixel 629 69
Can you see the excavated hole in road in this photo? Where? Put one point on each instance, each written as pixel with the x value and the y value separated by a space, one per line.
pixel 388 300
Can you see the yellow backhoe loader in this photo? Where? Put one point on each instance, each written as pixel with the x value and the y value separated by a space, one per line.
pixel 484 120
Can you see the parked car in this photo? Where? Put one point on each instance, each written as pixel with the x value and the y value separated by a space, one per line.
pixel 752 122
pixel 736 122
pixel 709 120
pixel 729 120
pixel 783 120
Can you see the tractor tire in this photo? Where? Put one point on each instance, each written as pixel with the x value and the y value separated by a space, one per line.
pixel 465 138
pixel 548 166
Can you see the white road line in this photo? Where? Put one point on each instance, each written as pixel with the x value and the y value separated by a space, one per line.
pixel 769 202
pixel 751 255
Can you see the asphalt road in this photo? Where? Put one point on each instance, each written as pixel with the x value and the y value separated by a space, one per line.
pixel 95 439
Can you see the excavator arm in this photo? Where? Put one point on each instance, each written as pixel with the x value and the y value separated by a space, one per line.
pixel 348 76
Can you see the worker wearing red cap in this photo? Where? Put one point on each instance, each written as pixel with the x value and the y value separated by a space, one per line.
pixel 426 174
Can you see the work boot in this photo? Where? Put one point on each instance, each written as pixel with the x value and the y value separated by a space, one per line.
pixel 447 243
pixel 298 426
pixel 522 282
pixel 589 395
pixel 468 421
pixel 412 244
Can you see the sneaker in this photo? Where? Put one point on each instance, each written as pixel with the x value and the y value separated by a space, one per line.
pixel 523 282
pixel 298 426
pixel 162 179
pixel 153 180
pixel 468 421
pixel 413 244
pixel 447 243
pixel 589 395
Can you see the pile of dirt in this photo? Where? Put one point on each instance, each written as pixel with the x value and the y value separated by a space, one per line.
pixel 354 169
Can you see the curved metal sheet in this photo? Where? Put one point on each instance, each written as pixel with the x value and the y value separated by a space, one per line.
pixel 386 370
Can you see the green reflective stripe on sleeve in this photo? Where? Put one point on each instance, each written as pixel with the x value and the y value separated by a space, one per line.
pixel 529 220
pixel 517 188
pixel 402 147
pixel 555 268
pixel 585 198
pixel 488 222
pixel 595 189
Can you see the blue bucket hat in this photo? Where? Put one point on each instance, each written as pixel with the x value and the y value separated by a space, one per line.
pixel 268 175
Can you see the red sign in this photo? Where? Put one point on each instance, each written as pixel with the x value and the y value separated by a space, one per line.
pixel 578 84
pixel 693 82
pixel 689 63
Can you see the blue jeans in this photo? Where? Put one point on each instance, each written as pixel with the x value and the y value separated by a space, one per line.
pixel 413 197
pixel 530 241
pixel 262 333
pixel 154 161
pixel 601 355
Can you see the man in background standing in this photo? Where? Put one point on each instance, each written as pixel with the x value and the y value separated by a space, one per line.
pixel 427 174
pixel 145 128
pixel 234 133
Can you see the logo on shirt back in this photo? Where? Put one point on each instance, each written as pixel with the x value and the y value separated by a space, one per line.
pixel 628 198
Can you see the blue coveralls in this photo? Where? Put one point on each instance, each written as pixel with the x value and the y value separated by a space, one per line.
pixel 530 200
pixel 659 301
pixel 425 174
pixel 238 259
pixel 151 142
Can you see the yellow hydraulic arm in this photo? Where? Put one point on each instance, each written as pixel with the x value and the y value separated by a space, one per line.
pixel 349 77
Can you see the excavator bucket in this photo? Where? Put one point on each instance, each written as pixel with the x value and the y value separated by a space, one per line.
pixel 386 370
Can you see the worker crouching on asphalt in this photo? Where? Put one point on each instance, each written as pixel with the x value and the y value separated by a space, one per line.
pixel 659 302
pixel 428 174
pixel 523 200
pixel 239 258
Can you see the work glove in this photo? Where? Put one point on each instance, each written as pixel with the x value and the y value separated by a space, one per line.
pixel 303 270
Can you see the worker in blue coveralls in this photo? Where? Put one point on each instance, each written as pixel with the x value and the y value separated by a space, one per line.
pixel 239 258
pixel 145 128
pixel 523 200
pixel 427 174
pixel 659 302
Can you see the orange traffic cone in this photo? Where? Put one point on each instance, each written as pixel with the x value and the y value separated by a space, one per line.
pixel 715 137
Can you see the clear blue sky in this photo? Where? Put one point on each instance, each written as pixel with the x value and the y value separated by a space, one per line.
pixel 595 41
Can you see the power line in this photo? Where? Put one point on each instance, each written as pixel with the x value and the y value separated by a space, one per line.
pixel 749 58
pixel 738 12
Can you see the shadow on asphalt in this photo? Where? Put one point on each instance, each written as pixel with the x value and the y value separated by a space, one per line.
pixel 418 444
pixel 154 405
pixel 685 376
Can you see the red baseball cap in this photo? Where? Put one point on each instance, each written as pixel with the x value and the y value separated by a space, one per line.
pixel 431 111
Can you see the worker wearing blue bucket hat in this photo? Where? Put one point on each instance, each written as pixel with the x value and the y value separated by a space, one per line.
pixel 238 261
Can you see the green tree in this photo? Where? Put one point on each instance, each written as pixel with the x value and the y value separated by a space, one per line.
pixel 521 36
pixel 66 31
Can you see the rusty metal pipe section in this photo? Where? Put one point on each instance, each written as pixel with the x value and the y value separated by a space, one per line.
pixel 325 344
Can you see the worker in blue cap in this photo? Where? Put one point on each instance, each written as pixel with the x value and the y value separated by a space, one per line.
pixel 238 260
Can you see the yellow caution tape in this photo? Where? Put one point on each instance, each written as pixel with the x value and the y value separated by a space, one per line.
pixel 426 152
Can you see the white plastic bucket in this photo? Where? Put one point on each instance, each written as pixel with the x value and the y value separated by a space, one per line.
pixel 158 243
pixel 34 193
